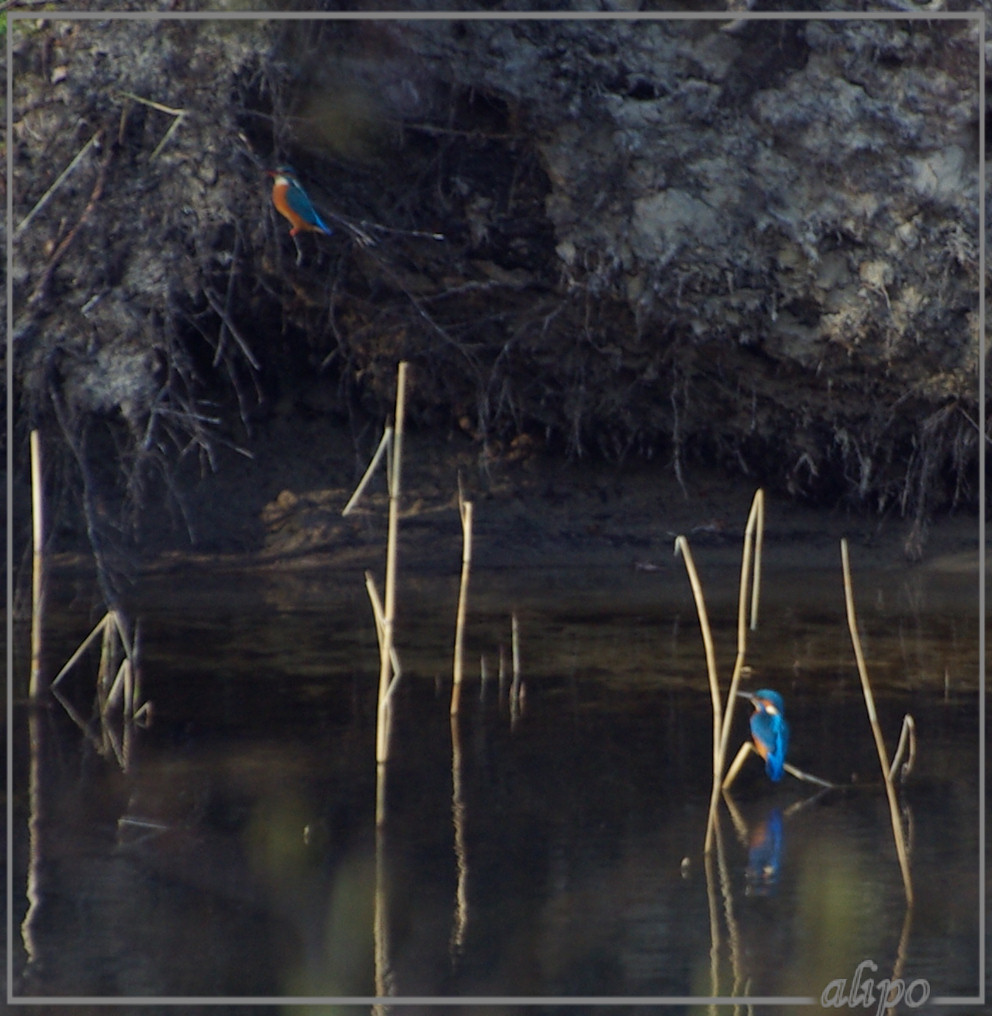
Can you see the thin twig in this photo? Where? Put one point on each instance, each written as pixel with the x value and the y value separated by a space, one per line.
pixel 44 199
pixel 41 288
pixel 231 327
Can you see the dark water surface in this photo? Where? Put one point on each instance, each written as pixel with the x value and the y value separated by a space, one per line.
pixel 553 849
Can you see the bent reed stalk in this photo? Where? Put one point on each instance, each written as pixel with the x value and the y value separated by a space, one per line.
pixel 890 791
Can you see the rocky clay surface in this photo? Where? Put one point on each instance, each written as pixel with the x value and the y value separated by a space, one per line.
pixel 637 268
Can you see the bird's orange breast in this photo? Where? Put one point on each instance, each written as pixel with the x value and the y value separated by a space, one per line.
pixel 279 192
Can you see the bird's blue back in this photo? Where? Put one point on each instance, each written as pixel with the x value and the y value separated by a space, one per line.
pixel 772 731
pixel 300 202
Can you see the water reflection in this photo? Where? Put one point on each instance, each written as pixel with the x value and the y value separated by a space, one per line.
pixel 238 853
pixel 764 855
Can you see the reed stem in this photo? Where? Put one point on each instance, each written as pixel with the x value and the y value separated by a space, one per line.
pixel 890 792
pixel 682 548
pixel 465 511
pixel 389 594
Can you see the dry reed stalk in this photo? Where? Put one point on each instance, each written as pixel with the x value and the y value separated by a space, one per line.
pixel 383 723
pixel 37 686
pixel 752 547
pixel 750 579
pixel 890 791
pixel 515 653
pixel 465 511
pixel 682 547
pixel 735 766
pixel 808 777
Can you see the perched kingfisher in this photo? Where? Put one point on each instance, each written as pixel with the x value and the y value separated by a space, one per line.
pixel 769 730
pixel 291 201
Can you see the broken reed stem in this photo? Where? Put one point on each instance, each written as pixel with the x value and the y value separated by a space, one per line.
pixel 384 443
pixel 377 614
pixel 808 777
pixel 890 792
pixel 735 767
pixel 383 718
pixel 907 737
pixel 37 686
pixel 81 648
pixel 465 511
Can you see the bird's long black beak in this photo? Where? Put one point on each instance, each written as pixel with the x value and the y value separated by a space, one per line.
pixel 746 694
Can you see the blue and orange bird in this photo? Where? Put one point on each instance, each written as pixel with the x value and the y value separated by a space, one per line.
pixel 769 730
pixel 292 201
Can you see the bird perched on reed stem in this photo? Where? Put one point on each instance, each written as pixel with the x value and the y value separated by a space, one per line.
pixel 769 729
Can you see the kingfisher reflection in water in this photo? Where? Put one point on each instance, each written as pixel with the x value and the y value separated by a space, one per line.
pixel 764 856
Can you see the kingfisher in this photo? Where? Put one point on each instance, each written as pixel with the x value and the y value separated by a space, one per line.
pixel 769 730
pixel 291 201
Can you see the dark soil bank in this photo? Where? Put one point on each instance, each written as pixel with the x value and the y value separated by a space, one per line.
pixel 638 268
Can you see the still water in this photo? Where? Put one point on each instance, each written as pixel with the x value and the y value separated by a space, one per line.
pixel 548 844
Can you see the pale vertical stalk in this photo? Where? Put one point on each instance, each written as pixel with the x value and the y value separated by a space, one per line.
pixel 758 506
pixel 751 548
pixel 389 596
pixel 515 656
pixel 465 510
pixel 890 792
pixel 37 685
